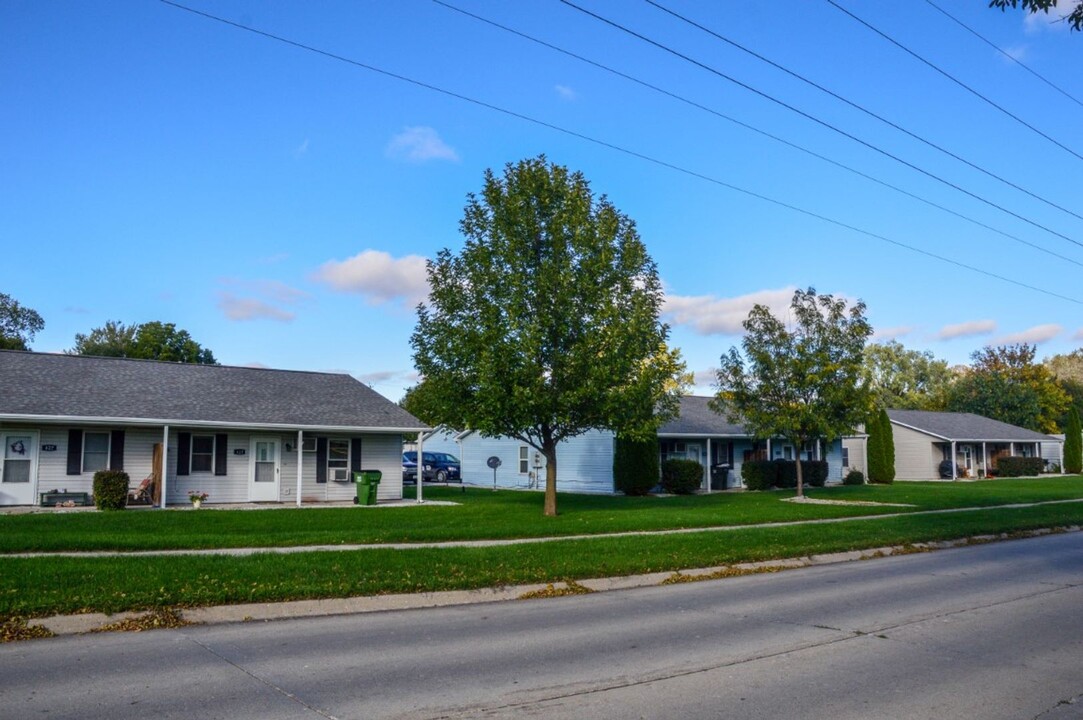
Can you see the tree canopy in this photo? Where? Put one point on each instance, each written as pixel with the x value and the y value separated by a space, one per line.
pixel 1004 383
pixel 147 341
pixel 804 383
pixel 546 324
pixel 906 379
pixel 18 324
pixel 1073 18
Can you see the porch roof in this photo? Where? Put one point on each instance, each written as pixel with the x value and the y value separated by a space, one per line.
pixel 962 427
pixel 53 388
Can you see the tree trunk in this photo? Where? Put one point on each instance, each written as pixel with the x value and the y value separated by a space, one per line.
pixel 800 480
pixel 550 452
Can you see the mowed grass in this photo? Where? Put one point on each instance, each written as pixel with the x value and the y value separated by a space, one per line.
pixel 484 514
pixel 45 586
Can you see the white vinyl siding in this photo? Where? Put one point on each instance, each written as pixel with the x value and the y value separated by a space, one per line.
pixel 917 455
pixel 584 463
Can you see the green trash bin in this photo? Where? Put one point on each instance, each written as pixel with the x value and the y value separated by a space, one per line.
pixel 368 482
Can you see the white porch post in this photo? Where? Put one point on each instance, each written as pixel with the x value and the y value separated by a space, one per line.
pixel 165 462
pixel 300 462
pixel 707 469
pixel 768 448
pixel 421 464
pixel 819 454
pixel 984 460
pixel 953 461
pixel 1011 449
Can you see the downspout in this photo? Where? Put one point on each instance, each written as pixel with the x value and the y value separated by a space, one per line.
pixel 421 464
pixel 300 462
pixel 953 461
pixel 165 462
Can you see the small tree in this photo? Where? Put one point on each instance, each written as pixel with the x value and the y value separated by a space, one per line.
pixel 1073 443
pixel 803 383
pixel 635 465
pixel 881 449
pixel 874 448
pixel 546 324
pixel 18 324
pixel 147 341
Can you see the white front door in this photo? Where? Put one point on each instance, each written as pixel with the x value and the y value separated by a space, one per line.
pixel 19 467
pixel 263 470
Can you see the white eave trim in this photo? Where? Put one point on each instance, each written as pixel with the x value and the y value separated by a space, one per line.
pixel 973 440
pixel 158 422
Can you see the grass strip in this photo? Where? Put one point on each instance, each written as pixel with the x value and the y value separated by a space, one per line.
pixel 44 586
pixel 484 514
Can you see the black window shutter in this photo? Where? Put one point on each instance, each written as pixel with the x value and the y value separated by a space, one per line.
pixel 221 443
pixel 355 454
pixel 75 452
pixel 321 459
pixel 184 452
pixel 116 451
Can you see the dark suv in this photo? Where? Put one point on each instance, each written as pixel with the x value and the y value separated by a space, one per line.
pixel 439 467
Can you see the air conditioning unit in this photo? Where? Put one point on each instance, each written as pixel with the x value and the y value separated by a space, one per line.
pixel 339 474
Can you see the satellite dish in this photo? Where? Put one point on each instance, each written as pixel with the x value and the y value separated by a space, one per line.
pixel 493 462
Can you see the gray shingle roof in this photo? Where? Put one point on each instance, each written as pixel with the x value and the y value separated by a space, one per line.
pixel 965 426
pixel 697 418
pixel 95 387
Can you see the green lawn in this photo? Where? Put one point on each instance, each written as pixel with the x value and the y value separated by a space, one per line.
pixel 44 586
pixel 484 514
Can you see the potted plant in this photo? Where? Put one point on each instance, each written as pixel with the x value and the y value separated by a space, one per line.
pixel 197 497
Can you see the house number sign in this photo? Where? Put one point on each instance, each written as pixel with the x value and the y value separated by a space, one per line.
pixel 239 451
pixel 48 448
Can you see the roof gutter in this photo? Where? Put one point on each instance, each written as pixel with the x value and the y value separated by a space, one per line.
pixel 158 422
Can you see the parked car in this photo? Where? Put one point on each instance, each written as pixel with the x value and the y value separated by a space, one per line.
pixel 438 467
pixel 409 469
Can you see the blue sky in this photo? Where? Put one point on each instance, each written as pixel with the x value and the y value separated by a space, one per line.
pixel 279 204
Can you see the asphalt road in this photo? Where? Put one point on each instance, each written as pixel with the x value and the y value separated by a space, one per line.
pixel 985 632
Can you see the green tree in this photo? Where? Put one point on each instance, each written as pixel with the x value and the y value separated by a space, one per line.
pixel 907 379
pixel 874 452
pixel 18 324
pixel 546 324
pixel 1073 18
pixel 1004 383
pixel 147 341
pixel 1073 443
pixel 635 465
pixel 804 383
pixel 114 339
pixel 887 448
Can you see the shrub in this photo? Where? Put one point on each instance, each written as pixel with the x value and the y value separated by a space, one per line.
pixel 635 466
pixel 759 474
pixel 110 489
pixel 854 477
pixel 681 477
pixel 881 449
pixel 1073 443
pixel 814 472
pixel 785 474
pixel 1019 466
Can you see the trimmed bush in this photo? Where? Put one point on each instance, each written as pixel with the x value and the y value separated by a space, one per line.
pixel 759 474
pixel 854 477
pixel 1073 443
pixel 635 466
pixel 785 474
pixel 814 472
pixel 1019 466
pixel 681 477
pixel 881 449
pixel 110 489
pixel 766 474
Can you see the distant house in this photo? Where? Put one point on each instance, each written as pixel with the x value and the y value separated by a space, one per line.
pixel 239 434
pixel 585 463
pixel 924 439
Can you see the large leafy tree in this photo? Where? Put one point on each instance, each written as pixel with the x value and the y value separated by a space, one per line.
pixel 1004 383
pixel 1073 17
pixel 546 324
pixel 1073 443
pixel 18 324
pixel 1068 370
pixel 147 341
pixel 907 379
pixel 804 382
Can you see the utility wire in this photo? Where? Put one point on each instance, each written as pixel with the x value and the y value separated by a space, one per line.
pixel 617 148
pixel 1006 54
pixel 813 118
pixel 859 107
pixel 751 128
pixel 954 79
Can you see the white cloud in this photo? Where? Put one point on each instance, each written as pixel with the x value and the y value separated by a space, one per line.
pixel 565 92
pixel 418 144
pixel 1016 52
pixel 1078 334
pixel 378 277
pixel 1034 335
pixel 237 308
pixel 710 315
pixel 967 329
pixel 256 366
pixel 301 149
pixel 892 333
pixel 705 379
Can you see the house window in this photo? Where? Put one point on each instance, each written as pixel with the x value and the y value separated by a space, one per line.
pixel 202 453
pixel 95 451
pixel 846 457
pixel 308 444
pixel 787 453
pixel 338 459
pixel 524 459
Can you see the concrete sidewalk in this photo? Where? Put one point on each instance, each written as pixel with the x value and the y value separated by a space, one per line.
pixel 265 612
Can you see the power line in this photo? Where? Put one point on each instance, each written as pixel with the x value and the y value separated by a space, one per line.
pixel 764 133
pixel 814 119
pixel 860 107
pixel 1006 54
pixel 617 148
pixel 955 80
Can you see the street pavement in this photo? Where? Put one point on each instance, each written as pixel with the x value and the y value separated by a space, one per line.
pixel 989 631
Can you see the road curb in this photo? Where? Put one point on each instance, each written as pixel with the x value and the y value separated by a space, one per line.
pixel 266 612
